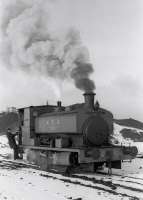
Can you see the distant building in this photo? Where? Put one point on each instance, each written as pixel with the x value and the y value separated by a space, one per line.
pixel 11 109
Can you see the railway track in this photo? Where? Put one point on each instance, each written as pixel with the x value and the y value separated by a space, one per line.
pixel 124 186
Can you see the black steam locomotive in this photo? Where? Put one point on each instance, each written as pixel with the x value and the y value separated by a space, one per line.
pixel 72 137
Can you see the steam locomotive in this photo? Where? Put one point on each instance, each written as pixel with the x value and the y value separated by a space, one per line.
pixel 73 137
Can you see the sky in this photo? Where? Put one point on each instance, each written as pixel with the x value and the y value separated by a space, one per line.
pixel 112 32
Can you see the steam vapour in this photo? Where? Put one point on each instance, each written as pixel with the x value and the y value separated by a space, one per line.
pixel 30 44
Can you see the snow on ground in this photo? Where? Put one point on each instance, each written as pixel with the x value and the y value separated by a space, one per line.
pixel 29 185
pixel 18 181
pixel 139 145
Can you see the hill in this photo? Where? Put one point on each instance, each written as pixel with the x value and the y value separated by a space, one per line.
pixel 130 129
pixel 8 120
pixel 129 122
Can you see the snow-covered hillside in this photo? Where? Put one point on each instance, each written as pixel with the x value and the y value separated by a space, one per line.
pixel 118 138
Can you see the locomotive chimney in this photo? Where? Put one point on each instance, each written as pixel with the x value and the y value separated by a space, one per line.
pixel 59 104
pixel 89 100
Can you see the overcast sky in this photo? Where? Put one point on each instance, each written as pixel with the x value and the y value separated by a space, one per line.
pixel 112 30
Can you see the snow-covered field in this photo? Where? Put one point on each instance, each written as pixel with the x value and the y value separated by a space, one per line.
pixel 19 181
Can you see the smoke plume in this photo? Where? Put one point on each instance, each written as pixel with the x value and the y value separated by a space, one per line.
pixel 29 43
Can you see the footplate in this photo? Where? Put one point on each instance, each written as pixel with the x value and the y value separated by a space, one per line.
pixel 112 153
